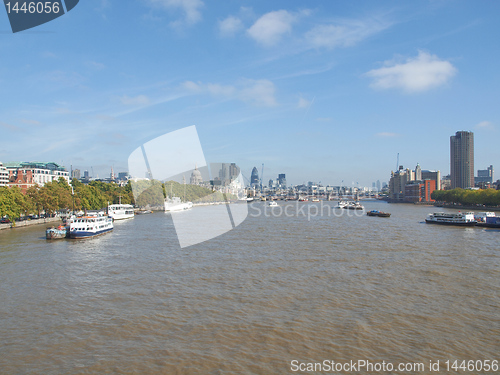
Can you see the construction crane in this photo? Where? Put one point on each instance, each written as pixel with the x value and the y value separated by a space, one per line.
pixel 397 164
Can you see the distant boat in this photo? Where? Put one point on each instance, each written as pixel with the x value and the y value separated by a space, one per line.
pixel 54 233
pixel 249 199
pixel 90 225
pixel 378 213
pixel 272 204
pixel 143 212
pixel 121 211
pixel 315 199
pixel 461 219
pixel 175 204
pixel 354 206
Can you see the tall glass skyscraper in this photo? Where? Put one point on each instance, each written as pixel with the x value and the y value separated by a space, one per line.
pixel 462 160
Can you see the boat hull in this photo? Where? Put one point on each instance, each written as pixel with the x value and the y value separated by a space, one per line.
pixel 459 224
pixel 87 234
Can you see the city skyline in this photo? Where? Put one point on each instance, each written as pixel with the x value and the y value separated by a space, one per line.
pixel 327 93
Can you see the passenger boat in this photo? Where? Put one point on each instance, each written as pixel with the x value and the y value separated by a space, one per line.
pixel 90 226
pixel 54 233
pixel 121 211
pixel 446 218
pixel 175 204
pixel 378 213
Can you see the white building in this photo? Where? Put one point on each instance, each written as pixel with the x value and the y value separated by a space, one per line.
pixel 38 173
pixel 4 175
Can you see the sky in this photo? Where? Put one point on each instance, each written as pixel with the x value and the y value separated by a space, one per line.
pixel 323 91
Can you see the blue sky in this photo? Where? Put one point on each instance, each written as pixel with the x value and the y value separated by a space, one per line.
pixel 323 91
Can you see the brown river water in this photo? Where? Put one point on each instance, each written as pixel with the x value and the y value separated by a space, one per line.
pixel 273 296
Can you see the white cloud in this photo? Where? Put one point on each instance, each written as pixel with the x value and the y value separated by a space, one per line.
pixel 417 74
pixel 138 100
pixel 387 135
pixel 230 26
pixel 344 33
pixel 269 29
pixel 258 92
pixel 191 9
pixel 485 125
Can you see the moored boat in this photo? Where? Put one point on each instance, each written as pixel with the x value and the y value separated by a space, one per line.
pixel 55 233
pixel 446 218
pixel 487 220
pixel 121 211
pixel 90 226
pixel 143 212
pixel 272 204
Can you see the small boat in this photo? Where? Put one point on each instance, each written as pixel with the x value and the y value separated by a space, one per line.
pixel 55 233
pixel 378 213
pixel 90 225
pixel 444 218
pixel 272 204
pixel 143 212
pixel 354 206
pixel 342 204
pixel 315 200
pixel 249 199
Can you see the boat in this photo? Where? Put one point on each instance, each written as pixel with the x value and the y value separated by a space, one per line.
pixel 354 206
pixel 378 213
pixel 175 204
pixel 342 204
pixel 272 204
pixel 143 212
pixel 121 211
pixel 302 199
pixel 90 225
pixel 487 220
pixel 55 233
pixel 446 218
pixel 249 199
pixel 315 199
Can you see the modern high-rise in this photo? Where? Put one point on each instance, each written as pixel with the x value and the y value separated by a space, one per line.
pixel 254 179
pixel 462 160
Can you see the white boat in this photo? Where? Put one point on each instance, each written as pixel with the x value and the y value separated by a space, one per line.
pixel 90 225
pixel 342 204
pixel 272 204
pixel 175 204
pixel 446 218
pixel 354 206
pixel 121 211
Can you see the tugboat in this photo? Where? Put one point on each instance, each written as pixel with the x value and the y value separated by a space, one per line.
pixel 55 233
pixel 378 213
pixel 461 219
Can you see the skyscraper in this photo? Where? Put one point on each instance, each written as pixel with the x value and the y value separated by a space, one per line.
pixel 462 160
pixel 254 179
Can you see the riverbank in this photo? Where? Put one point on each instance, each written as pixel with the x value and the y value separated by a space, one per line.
pixel 26 223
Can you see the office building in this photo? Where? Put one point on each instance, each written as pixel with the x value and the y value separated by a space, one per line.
pixel 484 175
pixel 462 160
pixel 254 179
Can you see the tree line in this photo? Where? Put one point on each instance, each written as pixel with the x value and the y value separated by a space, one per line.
pixel 59 195
pixel 487 197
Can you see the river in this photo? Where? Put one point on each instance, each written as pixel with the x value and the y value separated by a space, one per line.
pixel 273 296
